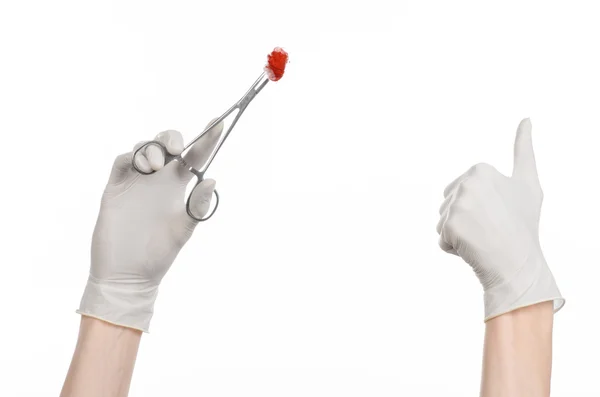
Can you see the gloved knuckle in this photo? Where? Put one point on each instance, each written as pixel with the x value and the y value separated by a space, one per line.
pixel 483 169
pixel 451 223
pixel 468 185
pixel 121 158
pixel 443 245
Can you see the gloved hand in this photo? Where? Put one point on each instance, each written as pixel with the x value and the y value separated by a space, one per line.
pixel 491 221
pixel 142 226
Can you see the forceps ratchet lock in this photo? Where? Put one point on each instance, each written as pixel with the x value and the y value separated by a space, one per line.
pixel 240 106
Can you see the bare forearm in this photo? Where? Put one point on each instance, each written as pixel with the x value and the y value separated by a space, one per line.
pixel 517 359
pixel 103 361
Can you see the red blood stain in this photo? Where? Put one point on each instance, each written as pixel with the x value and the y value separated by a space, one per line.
pixel 276 64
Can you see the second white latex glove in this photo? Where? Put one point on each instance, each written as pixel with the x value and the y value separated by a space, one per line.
pixel 491 221
pixel 142 226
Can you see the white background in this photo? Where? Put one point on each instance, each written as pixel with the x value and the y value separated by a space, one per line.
pixel 320 275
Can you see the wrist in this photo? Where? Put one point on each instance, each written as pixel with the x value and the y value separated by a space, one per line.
pixel 124 304
pixel 534 283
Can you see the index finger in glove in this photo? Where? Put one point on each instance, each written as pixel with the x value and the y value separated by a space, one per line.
pixel 454 184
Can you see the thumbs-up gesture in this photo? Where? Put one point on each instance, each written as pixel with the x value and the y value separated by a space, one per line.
pixel 491 221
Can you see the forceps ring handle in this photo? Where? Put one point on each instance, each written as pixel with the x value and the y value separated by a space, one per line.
pixel 168 158
pixel 200 177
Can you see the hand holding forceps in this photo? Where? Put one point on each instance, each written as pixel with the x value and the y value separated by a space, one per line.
pixel 240 106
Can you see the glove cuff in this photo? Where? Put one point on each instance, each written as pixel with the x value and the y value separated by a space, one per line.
pixel 119 304
pixel 533 284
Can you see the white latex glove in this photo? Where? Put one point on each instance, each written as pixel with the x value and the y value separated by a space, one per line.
pixel 141 228
pixel 491 221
